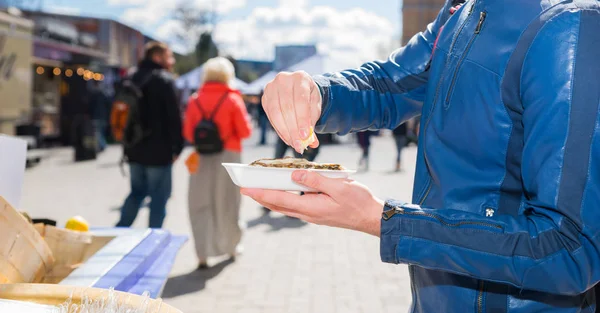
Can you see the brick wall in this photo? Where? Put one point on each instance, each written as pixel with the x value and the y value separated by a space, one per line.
pixel 416 14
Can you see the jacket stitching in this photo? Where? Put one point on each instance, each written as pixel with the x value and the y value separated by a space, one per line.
pixel 569 117
pixel 482 67
pixel 530 46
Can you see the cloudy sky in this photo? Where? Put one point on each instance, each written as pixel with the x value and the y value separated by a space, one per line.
pixel 351 29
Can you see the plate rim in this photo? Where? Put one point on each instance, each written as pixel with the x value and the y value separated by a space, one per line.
pixel 242 165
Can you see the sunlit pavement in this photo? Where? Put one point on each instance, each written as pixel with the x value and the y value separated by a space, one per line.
pixel 287 265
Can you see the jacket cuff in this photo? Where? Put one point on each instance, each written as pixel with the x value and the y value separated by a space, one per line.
pixel 391 234
pixel 325 89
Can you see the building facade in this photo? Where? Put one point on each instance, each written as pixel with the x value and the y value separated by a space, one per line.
pixel 286 56
pixel 416 14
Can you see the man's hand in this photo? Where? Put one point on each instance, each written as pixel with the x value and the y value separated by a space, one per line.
pixel 292 102
pixel 342 203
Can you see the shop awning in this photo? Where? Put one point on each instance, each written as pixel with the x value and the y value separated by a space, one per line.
pixel 64 47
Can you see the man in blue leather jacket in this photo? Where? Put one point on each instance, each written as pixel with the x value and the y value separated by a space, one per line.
pixel 505 214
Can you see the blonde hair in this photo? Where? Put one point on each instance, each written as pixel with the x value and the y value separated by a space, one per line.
pixel 218 69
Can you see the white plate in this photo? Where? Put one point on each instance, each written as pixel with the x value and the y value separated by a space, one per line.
pixel 273 178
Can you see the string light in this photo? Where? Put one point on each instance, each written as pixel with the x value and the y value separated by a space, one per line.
pixel 80 71
pixel 69 72
pixel 56 71
pixel 40 70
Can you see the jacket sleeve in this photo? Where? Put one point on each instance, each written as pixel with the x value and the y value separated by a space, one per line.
pixel 380 94
pixel 241 119
pixel 191 119
pixel 553 244
pixel 173 118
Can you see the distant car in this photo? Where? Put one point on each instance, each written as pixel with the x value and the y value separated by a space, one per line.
pixel 56 29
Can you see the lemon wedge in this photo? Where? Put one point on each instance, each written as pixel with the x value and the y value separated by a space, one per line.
pixel 77 223
pixel 308 141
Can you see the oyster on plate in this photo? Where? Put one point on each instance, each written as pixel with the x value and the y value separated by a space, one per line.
pixel 289 162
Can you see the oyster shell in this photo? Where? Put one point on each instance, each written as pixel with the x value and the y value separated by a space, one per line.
pixel 289 162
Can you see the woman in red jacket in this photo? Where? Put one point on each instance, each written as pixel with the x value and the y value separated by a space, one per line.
pixel 213 199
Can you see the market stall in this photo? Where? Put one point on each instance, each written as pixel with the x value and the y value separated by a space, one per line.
pixel 34 251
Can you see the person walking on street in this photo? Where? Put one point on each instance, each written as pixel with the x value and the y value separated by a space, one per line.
pixel 213 199
pixel 100 110
pixel 401 140
pixel 505 214
pixel 150 160
pixel 364 141
pixel 263 122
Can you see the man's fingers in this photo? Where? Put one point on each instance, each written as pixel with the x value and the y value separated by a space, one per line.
pixel 329 186
pixel 316 143
pixel 290 201
pixel 284 211
pixel 273 111
pixel 302 94
pixel 288 110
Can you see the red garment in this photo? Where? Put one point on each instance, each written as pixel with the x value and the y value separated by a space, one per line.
pixel 231 118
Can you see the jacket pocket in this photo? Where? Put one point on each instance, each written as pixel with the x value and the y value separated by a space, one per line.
pixel 476 32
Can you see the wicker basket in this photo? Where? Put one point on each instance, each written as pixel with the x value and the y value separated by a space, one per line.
pixel 58 294
pixel 24 255
pixel 68 248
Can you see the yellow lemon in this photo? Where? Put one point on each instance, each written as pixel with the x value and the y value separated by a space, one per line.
pixel 77 223
pixel 308 141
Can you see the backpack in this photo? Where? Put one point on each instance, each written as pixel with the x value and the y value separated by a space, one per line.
pixel 207 139
pixel 125 118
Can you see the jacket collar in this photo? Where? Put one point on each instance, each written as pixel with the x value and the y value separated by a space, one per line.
pixel 149 64
pixel 216 87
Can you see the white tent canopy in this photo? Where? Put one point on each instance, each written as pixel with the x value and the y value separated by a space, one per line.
pixel 315 65
pixel 192 79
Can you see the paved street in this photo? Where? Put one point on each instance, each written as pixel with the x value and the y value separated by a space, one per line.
pixel 287 265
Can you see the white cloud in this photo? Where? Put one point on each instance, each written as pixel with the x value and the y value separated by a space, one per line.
pixel 126 2
pixel 150 12
pixel 353 36
pixel 293 3
pixel 63 10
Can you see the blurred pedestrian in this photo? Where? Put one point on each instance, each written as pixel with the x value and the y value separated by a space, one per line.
pixel 263 121
pixel 413 126
pixel 150 159
pixel 213 199
pixel 364 141
pixel 99 105
pixel 309 154
pixel 401 140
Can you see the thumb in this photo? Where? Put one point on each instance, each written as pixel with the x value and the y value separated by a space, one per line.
pixel 318 182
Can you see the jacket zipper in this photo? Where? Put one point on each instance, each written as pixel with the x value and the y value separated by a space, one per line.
pixel 482 17
pixel 388 214
pixel 437 89
pixel 426 193
pixel 480 297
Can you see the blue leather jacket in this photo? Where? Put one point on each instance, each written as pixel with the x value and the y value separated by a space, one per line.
pixel 506 203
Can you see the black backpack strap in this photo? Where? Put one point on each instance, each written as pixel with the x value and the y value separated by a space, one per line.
pixel 199 105
pixel 219 104
pixel 214 112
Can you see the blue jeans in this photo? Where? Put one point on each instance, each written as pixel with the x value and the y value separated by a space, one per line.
pixel 263 123
pixel 147 181
pixel 401 142
pixel 100 129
